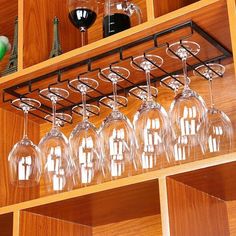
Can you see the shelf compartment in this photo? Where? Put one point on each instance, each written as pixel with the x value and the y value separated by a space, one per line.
pixel 38 28
pixel 130 210
pixel 164 7
pixel 6 224
pixel 8 13
pixel 204 197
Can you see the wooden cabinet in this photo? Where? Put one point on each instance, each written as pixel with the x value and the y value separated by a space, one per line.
pixel 196 198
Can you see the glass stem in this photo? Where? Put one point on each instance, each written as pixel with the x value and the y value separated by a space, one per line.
pixel 26 112
pixel 149 95
pixel 211 92
pixel 84 106
pixel 114 83
pixel 83 36
pixel 54 103
pixel 185 73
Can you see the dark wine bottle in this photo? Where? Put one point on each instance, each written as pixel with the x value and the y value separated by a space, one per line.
pixel 115 23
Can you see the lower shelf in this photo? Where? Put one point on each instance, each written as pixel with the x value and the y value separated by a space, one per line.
pixel 44 225
pixel 6 224
pixel 130 211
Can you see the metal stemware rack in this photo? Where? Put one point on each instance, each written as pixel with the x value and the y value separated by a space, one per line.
pixel 28 87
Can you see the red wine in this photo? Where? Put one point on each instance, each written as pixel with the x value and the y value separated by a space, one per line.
pixel 82 17
pixel 113 24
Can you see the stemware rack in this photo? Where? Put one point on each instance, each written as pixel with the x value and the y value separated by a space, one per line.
pixel 154 42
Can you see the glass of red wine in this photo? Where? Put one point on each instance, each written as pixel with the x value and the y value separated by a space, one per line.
pixel 82 14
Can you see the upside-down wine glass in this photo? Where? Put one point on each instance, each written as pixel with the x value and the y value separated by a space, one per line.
pixel 84 140
pixel 57 166
pixel 116 132
pixel 24 160
pixel 82 14
pixel 151 123
pixel 187 111
pixel 218 128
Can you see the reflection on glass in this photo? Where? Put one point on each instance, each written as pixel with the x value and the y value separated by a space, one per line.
pixel 24 160
pixel 54 147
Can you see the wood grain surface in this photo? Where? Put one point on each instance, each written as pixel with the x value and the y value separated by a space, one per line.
pixel 6 224
pixel 145 226
pixel 39 38
pixel 195 213
pixel 164 7
pixel 11 126
pixel 108 206
pixel 218 181
pixel 47 226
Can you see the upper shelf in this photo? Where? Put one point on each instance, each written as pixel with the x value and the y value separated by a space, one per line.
pixel 211 15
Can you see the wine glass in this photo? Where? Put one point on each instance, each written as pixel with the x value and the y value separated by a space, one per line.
pixel 24 160
pixel 82 14
pixel 54 147
pixel 84 140
pixel 151 123
pixel 219 130
pixel 187 111
pixel 116 132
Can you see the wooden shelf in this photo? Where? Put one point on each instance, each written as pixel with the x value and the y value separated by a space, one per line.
pixel 101 210
pixel 205 13
pixel 178 200
pixel 200 197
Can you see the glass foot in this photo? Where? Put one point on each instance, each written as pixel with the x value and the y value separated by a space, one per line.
pixel 26 103
pixel 109 101
pixel 113 74
pixel 146 62
pixel 211 71
pixel 91 110
pixel 83 84
pixel 178 49
pixel 141 92
pixel 54 93
pixel 61 118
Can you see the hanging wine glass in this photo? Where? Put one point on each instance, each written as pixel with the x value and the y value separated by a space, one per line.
pixel 187 111
pixel 84 140
pixel 55 149
pixel 82 14
pixel 151 123
pixel 174 82
pixel 116 133
pixel 219 130
pixel 24 160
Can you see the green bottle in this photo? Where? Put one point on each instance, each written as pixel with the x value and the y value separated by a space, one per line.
pixel 4 46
